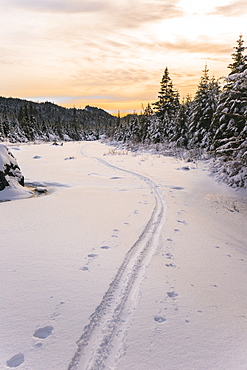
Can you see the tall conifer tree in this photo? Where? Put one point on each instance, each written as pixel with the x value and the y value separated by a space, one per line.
pixel 166 107
pixel 203 108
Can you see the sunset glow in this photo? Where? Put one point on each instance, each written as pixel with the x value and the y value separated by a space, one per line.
pixel 112 54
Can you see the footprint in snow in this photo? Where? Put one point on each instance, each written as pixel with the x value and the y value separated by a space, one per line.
pixel 184 168
pixel 114 235
pixel 182 222
pixel 16 360
pixel 159 319
pixel 84 268
pixel 43 333
pixel 171 265
pixel 172 294
pixel 105 247
pixel 92 255
pixel 169 256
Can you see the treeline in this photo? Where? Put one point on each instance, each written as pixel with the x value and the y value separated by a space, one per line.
pixel 214 122
pixel 22 120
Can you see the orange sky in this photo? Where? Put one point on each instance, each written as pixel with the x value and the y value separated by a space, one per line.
pixel 112 54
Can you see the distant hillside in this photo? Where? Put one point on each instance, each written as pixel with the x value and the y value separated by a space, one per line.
pixel 23 120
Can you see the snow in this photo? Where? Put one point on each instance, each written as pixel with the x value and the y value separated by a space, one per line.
pixel 128 261
pixel 14 190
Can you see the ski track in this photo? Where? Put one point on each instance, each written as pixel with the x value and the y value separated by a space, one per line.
pixel 100 345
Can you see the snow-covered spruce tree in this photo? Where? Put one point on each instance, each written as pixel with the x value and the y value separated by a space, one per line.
pixel 166 107
pixel 145 122
pixel 154 130
pixel 127 128
pixel 133 129
pixel 202 110
pixel 118 129
pixel 229 125
pixel 239 60
pixel 180 129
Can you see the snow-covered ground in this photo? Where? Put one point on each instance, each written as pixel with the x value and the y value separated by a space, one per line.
pixel 128 261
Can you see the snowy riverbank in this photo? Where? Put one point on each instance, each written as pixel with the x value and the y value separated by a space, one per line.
pixel 155 253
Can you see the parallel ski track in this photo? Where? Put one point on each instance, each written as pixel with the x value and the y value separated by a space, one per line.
pixel 107 327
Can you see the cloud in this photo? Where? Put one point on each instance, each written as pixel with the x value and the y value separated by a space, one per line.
pixel 58 6
pixel 233 9
pixel 203 45
pixel 122 13
pixel 145 11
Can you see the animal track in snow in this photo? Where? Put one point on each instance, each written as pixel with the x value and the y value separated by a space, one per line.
pixel 171 265
pixel 105 247
pixel 182 222
pixel 16 360
pixel 69 158
pixel 172 294
pixel 43 333
pixel 84 268
pixel 169 256
pixel 184 168
pixel 114 235
pixel 92 255
pixel 159 319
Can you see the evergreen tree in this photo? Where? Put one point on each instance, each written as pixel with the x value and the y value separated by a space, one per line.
pixel 230 119
pixel 230 116
pixel 229 126
pixel 166 107
pixel 145 120
pixel 202 111
pixel 239 60
pixel 181 124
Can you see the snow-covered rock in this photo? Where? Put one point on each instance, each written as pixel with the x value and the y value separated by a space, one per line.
pixel 11 178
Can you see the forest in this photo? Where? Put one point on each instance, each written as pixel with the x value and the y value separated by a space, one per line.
pixel 212 124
